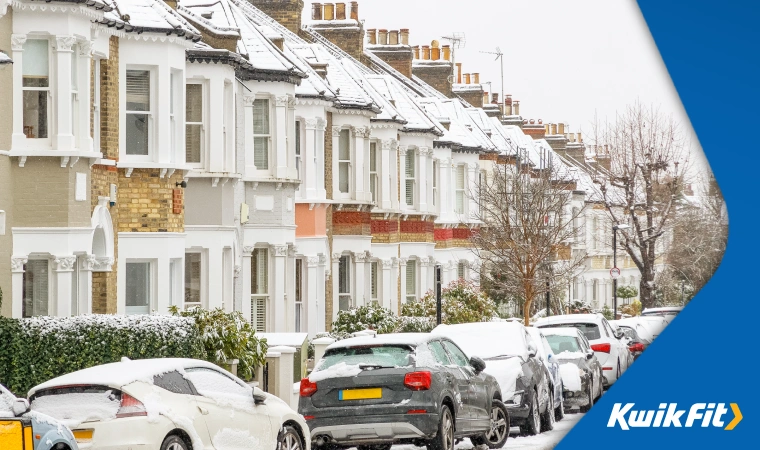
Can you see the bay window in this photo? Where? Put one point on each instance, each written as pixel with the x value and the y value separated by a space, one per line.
pixel 194 129
pixel 259 288
pixel 139 115
pixel 36 88
pixel 344 283
pixel 344 162
pixel 459 190
pixel 410 175
pixel 261 134
pixel 36 288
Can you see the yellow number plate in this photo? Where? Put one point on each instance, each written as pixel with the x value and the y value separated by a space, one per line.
pixel 360 394
pixel 11 435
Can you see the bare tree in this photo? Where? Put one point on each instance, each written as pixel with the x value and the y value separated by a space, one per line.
pixel 648 164
pixel 528 225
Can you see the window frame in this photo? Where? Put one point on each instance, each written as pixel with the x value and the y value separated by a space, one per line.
pixel 267 136
pixel 150 289
pixel 410 178
pixel 460 209
pixel 345 289
pixel 374 173
pixel 150 113
pixel 298 148
pixel 374 281
pixel 24 288
pixel 260 324
pixel 411 264
pixel 348 162
pixel 298 295
pixel 461 270
pixel 50 89
pixel 202 301
pixel 202 151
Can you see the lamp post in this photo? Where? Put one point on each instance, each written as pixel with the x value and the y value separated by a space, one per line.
pixel 615 229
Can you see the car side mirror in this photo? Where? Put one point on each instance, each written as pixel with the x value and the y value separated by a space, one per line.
pixel 619 334
pixel 589 354
pixel 259 396
pixel 532 350
pixel 478 364
pixel 20 406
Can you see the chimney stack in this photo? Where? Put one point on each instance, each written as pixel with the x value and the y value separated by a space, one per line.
pixel 316 11
pixel 382 36
pixel 355 11
pixel 393 37
pixel 372 36
pixel 329 11
pixel 404 36
pixel 447 52
pixel 340 11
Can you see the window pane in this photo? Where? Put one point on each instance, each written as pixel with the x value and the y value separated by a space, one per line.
pixel 36 114
pixel 137 134
pixel 344 275
pixel 344 146
pixel 410 192
pixel 373 186
pixel 460 177
pixel 192 278
pixel 409 164
pixel 36 63
pixel 411 278
pixel 259 271
pixel 261 152
pixel 35 292
pixel 194 103
pixel 138 288
pixel 460 202
pixel 212 384
pixel 298 137
pixel 460 270
pixel 138 90
pixel 261 116
pixel 457 356
pixel 373 157
pixel 193 143
pixel 343 173
pixel 373 280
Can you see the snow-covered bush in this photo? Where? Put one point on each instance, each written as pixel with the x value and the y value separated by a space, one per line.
pixel 227 336
pixel 579 307
pixel 461 302
pixel 632 309
pixel 375 318
pixel 409 324
pixel 40 348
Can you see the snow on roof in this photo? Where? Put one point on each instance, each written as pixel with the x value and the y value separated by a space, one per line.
pixel 122 373
pixel 214 15
pixel 148 16
pixel 417 119
pixel 501 139
pixel 463 131
pixel 4 59
pixel 383 339
pixel 466 88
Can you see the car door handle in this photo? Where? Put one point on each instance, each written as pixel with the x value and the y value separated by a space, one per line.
pixel 203 410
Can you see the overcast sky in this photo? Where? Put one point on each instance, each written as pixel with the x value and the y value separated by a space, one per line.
pixel 564 60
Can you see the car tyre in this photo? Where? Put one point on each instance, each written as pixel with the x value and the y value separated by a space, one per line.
pixel 547 419
pixel 289 439
pixel 174 442
pixel 559 412
pixel 497 436
pixel 533 422
pixel 444 439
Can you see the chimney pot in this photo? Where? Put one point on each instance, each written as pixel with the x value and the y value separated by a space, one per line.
pixel 459 73
pixel 372 35
pixel 447 52
pixel 404 36
pixel 416 50
pixel 485 98
pixel 382 36
pixel 579 138
pixel 525 121
pixel 546 128
pixel 355 10
pixel 329 11
pixel 475 78
pixel 532 121
pixel 561 128
pixel 316 11
pixel 467 78
pixel 435 53
pixel 517 107
pixel 495 98
pixel 393 37
pixel 425 52
pixel 554 128
pixel 540 121
pixel 340 11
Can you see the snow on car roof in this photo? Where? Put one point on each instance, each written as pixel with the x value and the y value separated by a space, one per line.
pixel 568 318
pixel 560 331
pixel 381 339
pixel 663 309
pixel 486 339
pixel 121 373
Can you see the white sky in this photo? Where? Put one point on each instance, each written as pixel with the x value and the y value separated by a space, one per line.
pixel 564 61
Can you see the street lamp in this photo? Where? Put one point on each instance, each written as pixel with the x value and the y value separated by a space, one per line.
pixel 615 229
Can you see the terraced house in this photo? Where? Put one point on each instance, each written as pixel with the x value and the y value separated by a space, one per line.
pixel 221 154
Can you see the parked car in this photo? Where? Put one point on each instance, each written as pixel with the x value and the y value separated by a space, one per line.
pixel 634 332
pixel 654 324
pixel 580 368
pixel 551 364
pixel 21 429
pixel 512 358
pixel 168 404
pixel 612 353
pixel 417 388
pixel 666 311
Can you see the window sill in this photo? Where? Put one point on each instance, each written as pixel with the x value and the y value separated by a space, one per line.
pixel 68 157
pixel 215 177
pixel 166 168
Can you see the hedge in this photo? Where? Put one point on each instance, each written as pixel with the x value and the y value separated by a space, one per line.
pixel 35 350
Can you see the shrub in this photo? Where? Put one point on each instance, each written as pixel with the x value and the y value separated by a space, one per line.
pixel 607 312
pixel 632 309
pixel 38 349
pixel 375 318
pixel 407 324
pixel 579 307
pixel 461 302
pixel 227 336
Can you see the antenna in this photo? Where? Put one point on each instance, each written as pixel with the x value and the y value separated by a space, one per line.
pixel 457 40
pixel 499 56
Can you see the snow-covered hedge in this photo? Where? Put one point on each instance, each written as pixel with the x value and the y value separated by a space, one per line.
pixel 35 350
pixel 461 302
pixel 370 317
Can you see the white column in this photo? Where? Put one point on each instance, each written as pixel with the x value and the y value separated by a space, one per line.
pixel 280 133
pixel 290 290
pixel 63 55
pixel 228 279
pixel 402 149
pixel 424 279
pixel 249 169
pixel 63 270
pixel 84 72
pixel 18 138
pixel 277 294
pixel 319 157
pixel 215 126
pixel 215 277
pixel 246 282
pixel 312 295
pixel 323 272
pixel 402 276
pixel 388 288
pixel 163 287
pixel 17 284
pixel 359 169
pixel 309 172
pixel 360 286
pixel 335 281
pixel 422 177
pixel 285 372
pixel 319 347
pixel 290 126
pixel 387 174
pixel 85 284
pixel 471 186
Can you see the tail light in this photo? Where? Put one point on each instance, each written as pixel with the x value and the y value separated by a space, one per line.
pixel 604 348
pixel 307 388
pixel 417 381
pixel 637 347
pixel 130 407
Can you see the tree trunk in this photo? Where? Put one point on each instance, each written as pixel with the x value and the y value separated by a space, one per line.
pixel 646 291
pixel 528 302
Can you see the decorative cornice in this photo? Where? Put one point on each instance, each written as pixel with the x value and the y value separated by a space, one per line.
pixel 248 250
pixel 85 48
pixel 17 263
pixel 279 250
pixel 17 42
pixel 313 261
pixel 336 131
pixel 387 263
pixel 64 263
pixel 79 9
pixel 282 100
pixel 336 257
pixel 311 124
pixel 402 150
pixel 64 43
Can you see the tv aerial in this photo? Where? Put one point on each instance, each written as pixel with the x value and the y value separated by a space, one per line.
pixel 457 40
pixel 499 56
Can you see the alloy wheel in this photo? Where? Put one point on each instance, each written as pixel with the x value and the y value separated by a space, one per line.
pixel 290 440
pixel 498 425
pixel 447 427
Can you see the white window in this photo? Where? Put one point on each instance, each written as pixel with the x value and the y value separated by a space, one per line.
pixel 36 88
pixel 259 288
pixel 139 114
pixel 299 161
pixel 261 134
pixel 594 288
pixel 299 295
pixel 193 270
pixel 461 270
pixel 194 129
pixel 410 173
pixel 35 293
pixel 228 128
pixel 344 283
pixel 435 185
pixel 138 282
pixel 596 238
pixel 344 162
pixel 96 106
pixel 459 190
pixel 373 185
pixel 374 278
pixel 411 280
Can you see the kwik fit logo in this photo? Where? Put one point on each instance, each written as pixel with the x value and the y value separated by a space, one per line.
pixel 669 415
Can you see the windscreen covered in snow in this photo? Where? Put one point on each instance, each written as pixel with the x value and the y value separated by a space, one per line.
pixel 487 339
pixel 76 405
pixel 376 356
pixel 571 378
pixel 562 345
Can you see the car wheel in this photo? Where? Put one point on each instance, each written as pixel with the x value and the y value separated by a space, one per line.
pixel 497 436
pixel 174 442
pixel 559 412
pixel 547 419
pixel 533 422
pixel 289 439
pixel 444 439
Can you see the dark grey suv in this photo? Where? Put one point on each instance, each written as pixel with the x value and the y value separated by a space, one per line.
pixel 401 388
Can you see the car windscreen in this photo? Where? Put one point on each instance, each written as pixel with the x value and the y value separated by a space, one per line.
pixel 560 343
pixel 369 355
pixel 74 405
pixel 590 330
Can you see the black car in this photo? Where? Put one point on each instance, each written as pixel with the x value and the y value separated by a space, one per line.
pixel 401 388
pixel 580 369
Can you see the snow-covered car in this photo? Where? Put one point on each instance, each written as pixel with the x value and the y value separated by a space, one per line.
pixel 512 358
pixel 665 311
pixel 612 352
pixel 21 429
pixel 635 333
pixel 168 404
pixel 580 369
pixel 554 377
pixel 373 392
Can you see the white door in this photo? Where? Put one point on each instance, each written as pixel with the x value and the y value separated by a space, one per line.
pixel 231 416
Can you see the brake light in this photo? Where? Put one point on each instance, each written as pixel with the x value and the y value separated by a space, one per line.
pixel 604 348
pixel 307 388
pixel 637 347
pixel 417 411
pixel 130 407
pixel 417 381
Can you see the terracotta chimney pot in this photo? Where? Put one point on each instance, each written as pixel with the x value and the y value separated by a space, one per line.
pixel 561 128
pixel 355 10
pixel 517 107
pixel 404 36
pixel 425 52
pixel 340 11
pixel 329 11
pixel 382 36
pixel 495 98
pixel 372 35
pixel 447 52
pixel 580 139
pixel 554 128
pixel 467 78
pixel 540 121
pixel 416 50
pixel 476 78
pixel 316 11
pixel 393 37
pixel 532 121
pixel 459 73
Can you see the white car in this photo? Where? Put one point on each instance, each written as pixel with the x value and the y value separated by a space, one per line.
pixel 168 404
pixel 669 312
pixel 610 350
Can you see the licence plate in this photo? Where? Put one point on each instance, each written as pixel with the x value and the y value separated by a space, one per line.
pixel 360 394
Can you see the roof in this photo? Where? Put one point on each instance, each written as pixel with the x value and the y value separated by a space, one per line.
pixel 463 133
pixel 148 16
pixel 102 5
pixel 384 339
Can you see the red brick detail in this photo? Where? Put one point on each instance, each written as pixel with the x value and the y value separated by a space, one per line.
pixel 351 218
pixel 415 226
pixel 461 233
pixel 177 203
pixel 384 226
pixel 443 234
